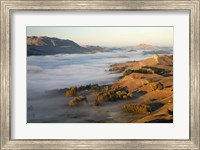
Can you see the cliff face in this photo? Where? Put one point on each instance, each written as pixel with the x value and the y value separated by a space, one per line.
pixel 52 46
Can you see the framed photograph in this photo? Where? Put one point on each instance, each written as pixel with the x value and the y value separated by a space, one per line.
pixel 99 74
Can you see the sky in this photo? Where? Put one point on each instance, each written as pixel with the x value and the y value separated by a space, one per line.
pixel 108 36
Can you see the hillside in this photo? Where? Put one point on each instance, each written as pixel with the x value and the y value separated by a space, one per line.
pixel 51 46
pixel 151 81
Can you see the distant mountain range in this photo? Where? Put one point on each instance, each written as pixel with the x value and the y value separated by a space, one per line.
pixel 147 47
pixel 50 46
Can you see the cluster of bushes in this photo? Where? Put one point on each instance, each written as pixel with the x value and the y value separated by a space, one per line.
pixel 157 86
pixel 95 87
pixel 71 92
pixel 127 72
pixel 147 70
pixel 156 70
pixel 77 100
pixel 141 70
pixel 138 108
pixel 113 94
pixel 117 69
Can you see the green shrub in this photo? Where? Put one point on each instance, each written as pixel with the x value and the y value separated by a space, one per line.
pixel 127 72
pixel 153 87
pixel 71 92
pixel 77 100
pixel 138 108
pixel 129 95
pixel 113 94
pixel 143 70
pixel 125 97
pixel 156 70
pixel 117 69
pixel 147 70
pixel 95 87
pixel 157 86
pixel 160 86
pixel 101 97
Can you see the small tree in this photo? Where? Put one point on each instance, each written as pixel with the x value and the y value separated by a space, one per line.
pixel 127 72
pixel 157 86
pixel 71 92
pixel 160 86
pixel 77 100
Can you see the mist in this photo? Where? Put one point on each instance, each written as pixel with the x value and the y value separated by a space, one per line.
pixel 59 71
pixel 65 70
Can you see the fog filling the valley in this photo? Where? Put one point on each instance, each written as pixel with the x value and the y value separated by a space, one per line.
pixel 59 71
pixel 64 70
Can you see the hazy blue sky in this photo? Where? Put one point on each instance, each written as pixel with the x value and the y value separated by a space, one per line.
pixel 108 36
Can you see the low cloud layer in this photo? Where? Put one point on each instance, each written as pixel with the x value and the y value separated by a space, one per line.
pixel 65 70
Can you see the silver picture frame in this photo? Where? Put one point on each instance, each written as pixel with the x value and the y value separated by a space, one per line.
pixel 8 6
